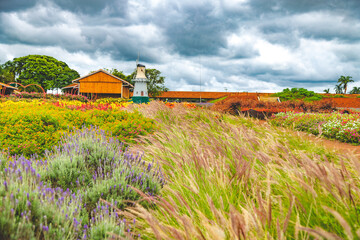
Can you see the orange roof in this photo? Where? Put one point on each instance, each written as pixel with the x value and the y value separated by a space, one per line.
pixel 205 95
pixel 7 86
pixel 73 85
pixel 188 94
pixel 101 70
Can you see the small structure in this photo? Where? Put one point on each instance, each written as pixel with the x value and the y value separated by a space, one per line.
pixel 100 84
pixel 140 94
pixel 6 89
pixel 268 99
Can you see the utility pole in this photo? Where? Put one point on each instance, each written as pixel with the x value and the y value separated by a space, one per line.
pixel 200 76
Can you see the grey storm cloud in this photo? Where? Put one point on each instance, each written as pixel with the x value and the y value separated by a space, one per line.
pixel 113 7
pixel 16 5
pixel 236 43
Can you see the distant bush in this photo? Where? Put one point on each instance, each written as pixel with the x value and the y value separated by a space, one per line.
pixel 298 93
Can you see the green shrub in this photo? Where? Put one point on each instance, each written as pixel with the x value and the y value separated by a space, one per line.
pixel 298 93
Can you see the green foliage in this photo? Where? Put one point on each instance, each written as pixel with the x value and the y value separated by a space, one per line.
pixel 327 90
pixel 298 93
pixel 46 71
pixel 5 75
pixel 343 82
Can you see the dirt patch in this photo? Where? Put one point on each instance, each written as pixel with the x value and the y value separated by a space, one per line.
pixel 333 145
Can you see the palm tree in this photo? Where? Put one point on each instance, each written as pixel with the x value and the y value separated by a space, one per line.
pixel 327 90
pixel 355 90
pixel 344 82
pixel 338 89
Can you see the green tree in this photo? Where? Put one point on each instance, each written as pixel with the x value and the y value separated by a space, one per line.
pixel 6 76
pixel 117 73
pixel 355 90
pixel 298 93
pixel 327 90
pixel 338 89
pixel 344 82
pixel 46 71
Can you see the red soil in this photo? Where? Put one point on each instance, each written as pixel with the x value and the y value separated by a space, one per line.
pixel 345 102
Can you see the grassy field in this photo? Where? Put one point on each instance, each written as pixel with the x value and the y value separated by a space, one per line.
pixel 209 176
pixel 235 178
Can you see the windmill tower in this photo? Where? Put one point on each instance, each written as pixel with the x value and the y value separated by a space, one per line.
pixel 140 94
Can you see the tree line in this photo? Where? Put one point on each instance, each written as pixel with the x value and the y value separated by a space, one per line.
pixel 342 85
pixel 51 73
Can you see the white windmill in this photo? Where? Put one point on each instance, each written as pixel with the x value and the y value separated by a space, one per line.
pixel 140 93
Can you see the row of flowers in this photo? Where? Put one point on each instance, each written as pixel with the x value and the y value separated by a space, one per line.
pixel 37 95
pixel 100 105
pixel 336 125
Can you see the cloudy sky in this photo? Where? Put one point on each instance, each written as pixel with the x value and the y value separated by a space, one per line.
pixel 233 45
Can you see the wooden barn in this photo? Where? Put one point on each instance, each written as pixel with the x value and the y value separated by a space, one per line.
pixel 100 84
pixel 6 89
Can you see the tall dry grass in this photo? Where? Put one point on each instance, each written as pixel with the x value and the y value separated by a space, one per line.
pixel 231 178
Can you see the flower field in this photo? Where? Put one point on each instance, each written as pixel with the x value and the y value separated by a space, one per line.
pixel 190 173
pixel 32 127
pixel 342 127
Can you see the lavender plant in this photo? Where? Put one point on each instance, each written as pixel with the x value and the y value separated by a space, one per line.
pixel 101 167
pixel 59 196
pixel 30 208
